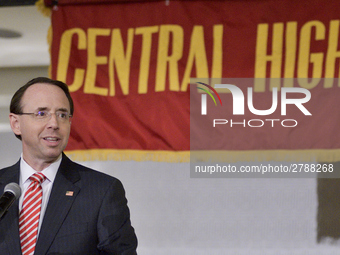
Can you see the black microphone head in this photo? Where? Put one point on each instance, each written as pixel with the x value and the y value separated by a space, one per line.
pixel 14 189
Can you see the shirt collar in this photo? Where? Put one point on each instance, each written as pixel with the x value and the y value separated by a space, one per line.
pixel 26 170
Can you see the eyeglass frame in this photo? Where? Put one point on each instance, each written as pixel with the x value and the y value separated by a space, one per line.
pixel 48 115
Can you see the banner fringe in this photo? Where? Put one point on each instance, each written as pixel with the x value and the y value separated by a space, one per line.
pixel 49 42
pixel 46 11
pixel 204 156
pixel 126 155
pixel 326 155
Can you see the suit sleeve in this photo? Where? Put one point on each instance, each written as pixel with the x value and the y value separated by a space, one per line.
pixel 115 233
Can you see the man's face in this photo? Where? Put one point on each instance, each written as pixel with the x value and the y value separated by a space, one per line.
pixel 42 140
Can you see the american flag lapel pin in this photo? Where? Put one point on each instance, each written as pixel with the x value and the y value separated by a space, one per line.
pixel 69 193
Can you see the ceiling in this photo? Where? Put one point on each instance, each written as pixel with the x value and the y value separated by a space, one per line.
pixel 31 48
pixel 16 2
pixel 24 49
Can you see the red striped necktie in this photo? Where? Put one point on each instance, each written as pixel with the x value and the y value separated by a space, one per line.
pixel 30 213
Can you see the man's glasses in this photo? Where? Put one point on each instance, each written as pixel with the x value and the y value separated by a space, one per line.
pixel 45 115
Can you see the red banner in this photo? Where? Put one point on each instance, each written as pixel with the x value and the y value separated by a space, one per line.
pixel 129 64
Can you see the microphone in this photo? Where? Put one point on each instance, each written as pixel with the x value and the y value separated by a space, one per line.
pixel 12 192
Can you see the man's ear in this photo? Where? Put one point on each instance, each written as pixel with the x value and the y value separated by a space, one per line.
pixel 15 123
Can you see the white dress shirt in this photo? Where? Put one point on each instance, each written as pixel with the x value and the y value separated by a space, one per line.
pixel 25 173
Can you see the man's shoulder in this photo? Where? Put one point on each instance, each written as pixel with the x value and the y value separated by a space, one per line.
pixel 14 166
pixel 92 182
pixel 8 171
pixel 89 174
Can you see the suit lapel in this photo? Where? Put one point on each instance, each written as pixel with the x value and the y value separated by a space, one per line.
pixel 9 225
pixel 67 179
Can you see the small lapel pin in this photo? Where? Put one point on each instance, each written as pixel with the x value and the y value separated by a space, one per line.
pixel 69 193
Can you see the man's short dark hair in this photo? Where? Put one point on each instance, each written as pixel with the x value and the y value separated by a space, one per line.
pixel 16 107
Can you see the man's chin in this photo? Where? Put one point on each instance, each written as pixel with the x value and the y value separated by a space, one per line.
pixel 53 155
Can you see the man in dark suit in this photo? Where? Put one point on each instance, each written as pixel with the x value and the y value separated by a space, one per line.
pixel 82 211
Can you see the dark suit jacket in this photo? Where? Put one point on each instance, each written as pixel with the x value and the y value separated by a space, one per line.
pixel 94 220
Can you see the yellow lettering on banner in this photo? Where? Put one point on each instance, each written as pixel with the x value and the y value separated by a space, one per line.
pixel 299 60
pixel 290 53
pixel 93 60
pixel 262 57
pixel 165 60
pixel 198 54
pixel 305 57
pixel 216 69
pixel 64 57
pixel 144 67
pixel 332 53
pixel 120 60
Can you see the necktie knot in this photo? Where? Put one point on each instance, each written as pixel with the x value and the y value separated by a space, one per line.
pixel 38 178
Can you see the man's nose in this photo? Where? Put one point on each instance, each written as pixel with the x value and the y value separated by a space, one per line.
pixel 53 122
